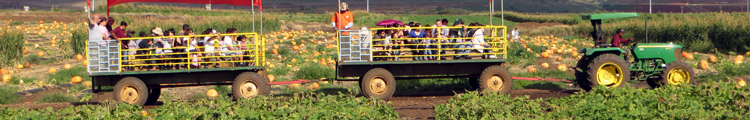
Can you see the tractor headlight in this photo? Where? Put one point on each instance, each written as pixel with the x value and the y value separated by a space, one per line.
pixel 663 65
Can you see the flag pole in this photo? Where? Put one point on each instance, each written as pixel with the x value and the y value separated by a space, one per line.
pixel 252 8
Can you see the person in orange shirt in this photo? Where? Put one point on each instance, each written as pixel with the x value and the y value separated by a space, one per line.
pixel 342 20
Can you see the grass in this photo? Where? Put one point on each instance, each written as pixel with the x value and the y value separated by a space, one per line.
pixel 56 97
pixel 313 72
pixel 279 71
pixel 7 93
pixel 222 89
pixel 63 76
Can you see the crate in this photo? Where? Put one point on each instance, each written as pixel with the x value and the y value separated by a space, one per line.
pixel 103 57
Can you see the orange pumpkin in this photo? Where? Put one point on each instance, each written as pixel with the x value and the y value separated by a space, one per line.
pixel 532 70
pixel 6 78
pixel 212 93
pixel 739 58
pixel 559 58
pixel 689 56
pixel 25 50
pixel 295 48
pixel 67 66
pixel 713 58
pixel 52 70
pixel 740 82
pixel 545 54
pixel 545 65
pixel 704 65
pixel 562 67
pixel 271 77
pixel 684 54
pixel 144 113
pixel 274 51
pixel 40 53
pixel 737 62
pixel 26 65
pixel 85 63
pixel 79 57
pixel 19 66
pixel 314 86
pixel 275 46
pixel 3 71
pixel 76 79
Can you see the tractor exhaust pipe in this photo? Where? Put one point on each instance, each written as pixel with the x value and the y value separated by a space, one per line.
pixel 646 30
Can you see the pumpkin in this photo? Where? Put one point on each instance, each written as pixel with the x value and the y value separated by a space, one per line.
pixel 559 51
pixel 747 54
pixel 25 50
pixel 545 65
pixel 76 79
pixel 3 71
pixel 545 54
pixel 532 70
pixel 737 62
pixel 689 56
pixel 271 77
pixel 684 54
pixel 295 86
pixel 740 82
pixel 40 53
pixel 212 93
pixel 739 58
pixel 704 64
pixel 79 57
pixel 314 86
pixel 295 48
pixel 294 60
pixel 26 65
pixel 52 70
pixel 6 78
pixel 19 66
pixel 85 63
pixel 713 59
pixel 144 113
pixel 574 54
pixel 275 46
pixel 67 66
pixel 559 58
pixel 562 67
pixel 274 51
pixel 294 43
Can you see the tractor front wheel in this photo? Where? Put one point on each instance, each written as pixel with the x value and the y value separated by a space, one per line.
pixel 608 70
pixel 677 72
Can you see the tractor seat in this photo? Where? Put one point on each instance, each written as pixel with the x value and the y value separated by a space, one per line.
pixel 606 45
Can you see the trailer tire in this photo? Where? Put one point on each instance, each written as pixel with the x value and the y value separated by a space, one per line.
pixel 372 84
pixel 495 79
pixel 249 85
pixel 153 95
pixel 609 70
pixel 131 90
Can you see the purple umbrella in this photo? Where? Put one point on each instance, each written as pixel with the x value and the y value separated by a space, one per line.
pixel 388 22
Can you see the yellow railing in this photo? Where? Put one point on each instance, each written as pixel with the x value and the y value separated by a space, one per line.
pixel 254 51
pixel 494 36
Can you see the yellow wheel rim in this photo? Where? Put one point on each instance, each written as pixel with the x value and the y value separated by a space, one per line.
pixel 678 76
pixel 495 83
pixel 378 85
pixel 129 94
pixel 248 90
pixel 609 74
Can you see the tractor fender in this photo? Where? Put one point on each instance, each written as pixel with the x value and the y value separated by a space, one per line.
pixel 594 51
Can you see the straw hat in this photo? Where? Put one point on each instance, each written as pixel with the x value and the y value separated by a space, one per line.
pixel 344 6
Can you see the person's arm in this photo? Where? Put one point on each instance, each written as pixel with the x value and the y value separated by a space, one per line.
pixel 333 20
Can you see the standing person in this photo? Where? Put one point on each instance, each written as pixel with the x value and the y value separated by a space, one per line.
pixel 515 34
pixel 104 32
pixel 110 23
pixel 95 34
pixel 343 19
pixel 184 30
pixel 118 33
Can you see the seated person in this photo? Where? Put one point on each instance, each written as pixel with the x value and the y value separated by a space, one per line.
pixel 617 40
pixel 417 33
pixel 480 44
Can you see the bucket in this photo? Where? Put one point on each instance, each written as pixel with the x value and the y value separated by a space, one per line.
pixel 26 8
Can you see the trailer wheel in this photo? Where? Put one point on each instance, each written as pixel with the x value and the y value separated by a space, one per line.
pixel 249 85
pixel 153 95
pixel 608 70
pixel 131 90
pixel 677 72
pixel 495 79
pixel 378 83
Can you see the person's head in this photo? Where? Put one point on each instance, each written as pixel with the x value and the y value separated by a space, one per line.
pixel 620 31
pixel 229 30
pixel 417 25
pixel 156 31
pixel 185 27
pixel 241 38
pixel 411 24
pixel 150 41
pixel 110 20
pixel 103 22
pixel 169 32
pixel 142 34
pixel 189 31
pixel 438 22
pixel 207 31
pixel 96 18
pixel 344 7
pixel 395 25
pixel 123 25
pixel 130 33
pixel 444 21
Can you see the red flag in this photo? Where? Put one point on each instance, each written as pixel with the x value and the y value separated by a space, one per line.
pixel 258 3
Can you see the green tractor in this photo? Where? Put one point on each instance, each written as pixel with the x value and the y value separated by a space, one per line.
pixel 605 65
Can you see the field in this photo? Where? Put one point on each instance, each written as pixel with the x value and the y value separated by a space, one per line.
pixel 50 40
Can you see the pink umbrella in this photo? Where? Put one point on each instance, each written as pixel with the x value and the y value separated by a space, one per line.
pixel 389 22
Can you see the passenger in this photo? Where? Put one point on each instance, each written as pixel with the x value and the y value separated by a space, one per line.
pixel 211 42
pixel 228 46
pixel 380 34
pixel 184 30
pixel 192 47
pixel 103 29
pixel 480 44
pixel 179 48
pixel 458 35
pixel 241 50
pixel 110 23
pixel 142 48
pixel 152 50
pixel 156 47
pixel 414 33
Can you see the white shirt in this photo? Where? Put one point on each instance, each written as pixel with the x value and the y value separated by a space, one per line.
pixel 478 39
pixel 95 34
pixel 192 44
pixel 226 43
pixel 514 33
pixel 167 45
pixel 209 44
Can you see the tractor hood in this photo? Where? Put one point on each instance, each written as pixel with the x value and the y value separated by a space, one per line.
pixel 658 45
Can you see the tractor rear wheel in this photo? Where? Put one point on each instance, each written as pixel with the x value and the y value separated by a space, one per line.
pixel 580 73
pixel 608 70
